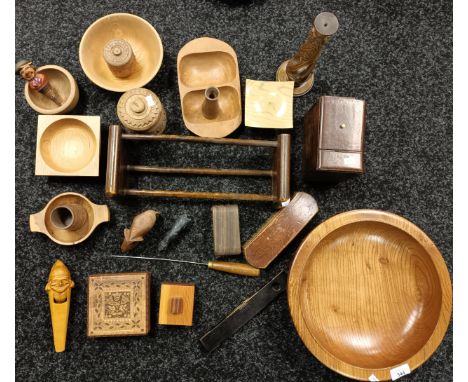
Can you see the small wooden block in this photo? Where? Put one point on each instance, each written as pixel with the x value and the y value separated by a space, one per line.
pixel 226 232
pixel 279 230
pixel 118 304
pixel 176 304
pixel 269 104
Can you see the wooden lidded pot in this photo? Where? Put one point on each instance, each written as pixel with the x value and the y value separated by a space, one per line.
pixel 63 82
pixel 120 52
pixel 141 111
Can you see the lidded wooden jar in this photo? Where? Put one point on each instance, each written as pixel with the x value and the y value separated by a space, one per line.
pixel 141 111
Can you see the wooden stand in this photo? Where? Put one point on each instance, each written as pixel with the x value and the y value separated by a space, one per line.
pixel 117 168
pixel 300 68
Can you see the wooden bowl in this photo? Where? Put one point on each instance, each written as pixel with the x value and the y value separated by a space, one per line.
pixel 68 145
pixel 144 40
pixel 369 293
pixel 209 87
pixel 45 221
pixel 65 85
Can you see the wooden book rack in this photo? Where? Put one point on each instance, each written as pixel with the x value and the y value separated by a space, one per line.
pixel 117 168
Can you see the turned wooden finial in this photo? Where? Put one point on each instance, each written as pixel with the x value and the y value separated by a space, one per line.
pixel 37 81
pixel 141 225
pixel 300 68
pixel 59 291
pixel 119 57
pixel 210 106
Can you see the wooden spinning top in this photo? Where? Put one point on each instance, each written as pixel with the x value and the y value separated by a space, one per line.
pixel 37 81
pixel 141 111
pixel 141 225
pixel 300 68
pixel 119 56
pixel 59 290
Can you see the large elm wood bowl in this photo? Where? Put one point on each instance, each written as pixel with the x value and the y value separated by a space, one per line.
pixel 369 292
pixel 143 39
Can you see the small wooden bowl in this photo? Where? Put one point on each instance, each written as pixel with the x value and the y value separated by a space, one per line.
pixel 144 40
pixel 68 145
pixel 369 292
pixel 65 85
pixel 43 221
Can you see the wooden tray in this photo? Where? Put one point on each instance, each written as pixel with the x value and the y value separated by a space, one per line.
pixel 205 64
pixel 370 294
pixel 144 40
pixel 68 145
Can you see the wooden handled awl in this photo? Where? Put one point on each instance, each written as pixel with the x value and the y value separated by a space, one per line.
pixel 221 266
pixel 59 291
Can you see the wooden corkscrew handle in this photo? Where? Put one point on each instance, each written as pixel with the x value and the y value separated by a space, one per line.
pixel 234 268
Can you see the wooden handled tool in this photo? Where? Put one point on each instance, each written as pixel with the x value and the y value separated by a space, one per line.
pixel 221 266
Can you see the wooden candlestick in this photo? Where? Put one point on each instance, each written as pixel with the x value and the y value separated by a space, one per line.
pixel 119 57
pixel 210 106
pixel 300 68
pixel 37 81
pixel 59 290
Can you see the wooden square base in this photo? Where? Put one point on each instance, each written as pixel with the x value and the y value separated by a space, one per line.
pixel 176 304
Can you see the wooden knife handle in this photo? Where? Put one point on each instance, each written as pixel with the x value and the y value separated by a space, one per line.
pixel 234 268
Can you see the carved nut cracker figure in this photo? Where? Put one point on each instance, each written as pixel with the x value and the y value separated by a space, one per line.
pixel 59 291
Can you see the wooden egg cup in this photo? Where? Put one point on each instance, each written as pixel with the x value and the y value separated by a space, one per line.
pixel 100 60
pixel 369 292
pixel 63 82
pixel 60 221
pixel 68 145
pixel 209 87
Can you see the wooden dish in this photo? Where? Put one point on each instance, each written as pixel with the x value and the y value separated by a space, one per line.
pixel 62 234
pixel 143 39
pixel 63 82
pixel 370 294
pixel 209 87
pixel 68 145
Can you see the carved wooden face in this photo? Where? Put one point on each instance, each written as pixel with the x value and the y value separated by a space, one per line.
pixel 28 72
pixel 61 284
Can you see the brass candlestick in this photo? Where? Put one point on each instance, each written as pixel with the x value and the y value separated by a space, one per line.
pixel 37 81
pixel 300 68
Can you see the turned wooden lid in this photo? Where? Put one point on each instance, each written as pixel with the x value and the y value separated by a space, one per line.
pixel 140 110
pixel 118 53
pixel 326 23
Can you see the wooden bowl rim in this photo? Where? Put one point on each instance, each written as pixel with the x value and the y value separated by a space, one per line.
pixel 356 216
pixel 69 100
pixel 122 88
pixel 84 199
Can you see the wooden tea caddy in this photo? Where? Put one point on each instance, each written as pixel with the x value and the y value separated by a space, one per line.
pixel 62 82
pixel 69 218
pixel 209 87
pixel 120 52
pixel 68 145
pixel 117 168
